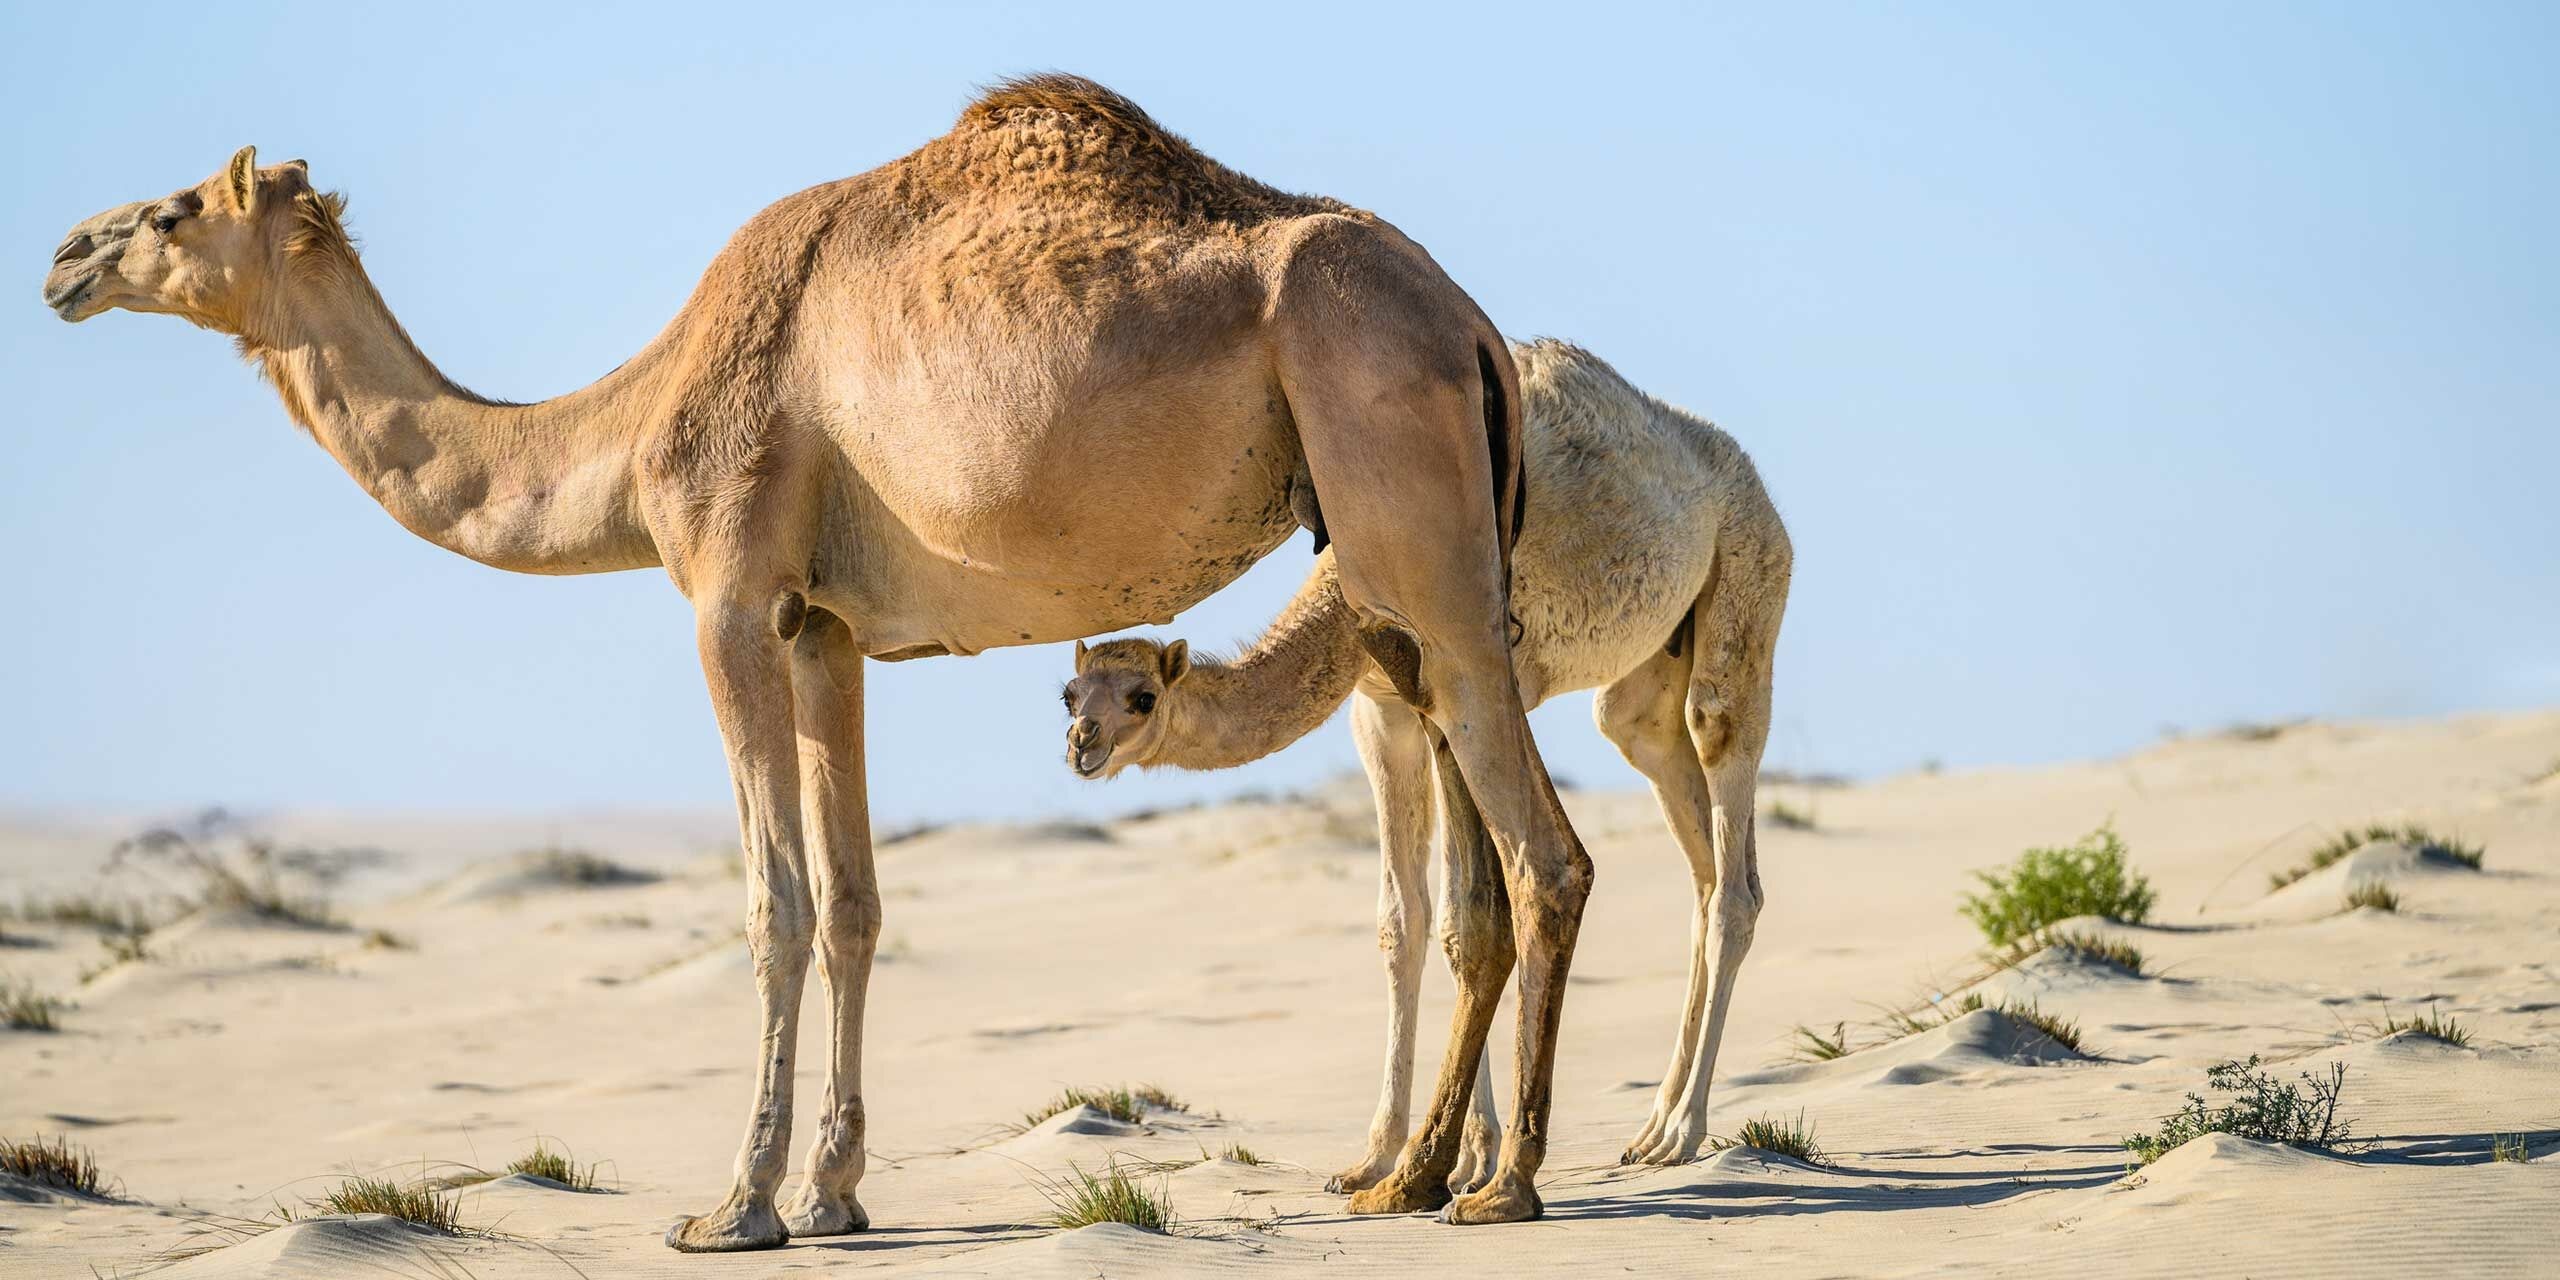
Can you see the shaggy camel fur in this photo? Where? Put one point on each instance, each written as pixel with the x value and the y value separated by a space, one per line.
pixel 1652 567
pixel 1054 373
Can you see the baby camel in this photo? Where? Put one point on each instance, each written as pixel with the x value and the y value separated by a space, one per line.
pixel 1652 566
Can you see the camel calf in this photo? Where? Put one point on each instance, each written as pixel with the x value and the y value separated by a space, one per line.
pixel 1651 566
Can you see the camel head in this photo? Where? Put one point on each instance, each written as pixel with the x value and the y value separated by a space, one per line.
pixel 1116 703
pixel 206 252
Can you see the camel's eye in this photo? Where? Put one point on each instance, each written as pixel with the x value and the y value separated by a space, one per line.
pixel 165 223
pixel 1142 702
pixel 1068 696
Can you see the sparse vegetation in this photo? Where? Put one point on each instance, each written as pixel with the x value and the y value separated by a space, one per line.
pixel 1777 1136
pixel 121 948
pixel 2374 894
pixel 2430 1024
pixel 1782 814
pixel 90 911
pixel 245 877
pixel 2261 1107
pixel 2060 1030
pixel 23 1008
pixel 544 1162
pixel 55 1164
pixel 2427 843
pixel 1241 1154
pixel 2049 885
pixel 1122 1102
pixel 1813 1046
pixel 2091 948
pixel 1911 1022
pixel 386 940
pixel 582 868
pixel 2507 1148
pixel 1081 1199
pixel 421 1204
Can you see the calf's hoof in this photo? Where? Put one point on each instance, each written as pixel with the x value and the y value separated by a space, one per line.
pixel 814 1213
pixel 1402 1193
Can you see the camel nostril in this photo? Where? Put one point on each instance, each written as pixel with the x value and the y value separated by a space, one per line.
pixel 73 250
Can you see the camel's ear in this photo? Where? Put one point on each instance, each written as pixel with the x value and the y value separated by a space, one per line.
pixel 1080 652
pixel 241 180
pixel 1176 662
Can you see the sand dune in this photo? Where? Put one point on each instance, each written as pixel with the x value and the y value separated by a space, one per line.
pixel 472 999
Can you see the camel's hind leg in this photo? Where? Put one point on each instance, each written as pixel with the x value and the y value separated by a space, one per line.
pixel 1727 716
pixel 1395 749
pixel 1642 712
pixel 1386 367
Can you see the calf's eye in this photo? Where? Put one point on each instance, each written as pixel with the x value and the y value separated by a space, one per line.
pixel 1142 703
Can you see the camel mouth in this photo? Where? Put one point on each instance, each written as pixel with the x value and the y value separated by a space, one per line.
pixel 1089 763
pixel 66 298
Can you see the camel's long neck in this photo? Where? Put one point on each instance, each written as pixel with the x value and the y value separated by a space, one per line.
pixel 1230 713
pixel 537 488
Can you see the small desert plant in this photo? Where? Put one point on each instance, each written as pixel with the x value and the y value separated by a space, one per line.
pixel 580 867
pixel 1122 1102
pixel 55 1164
pixel 22 1008
pixel 2507 1148
pixel 1782 814
pixel 1241 1154
pixel 422 1205
pixel 1813 1046
pixel 2261 1107
pixel 2427 843
pixel 1081 1199
pixel 2060 1030
pixel 2432 1025
pixel 2085 879
pixel 93 911
pixel 1777 1136
pixel 386 940
pixel 121 948
pixel 2094 949
pixel 2374 894
pixel 544 1162
pixel 1911 1022
pixel 246 877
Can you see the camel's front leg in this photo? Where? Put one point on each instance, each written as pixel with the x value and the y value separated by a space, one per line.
pixel 826 683
pixel 743 660
pixel 1397 756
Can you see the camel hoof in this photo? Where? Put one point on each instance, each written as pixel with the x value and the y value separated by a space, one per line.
pixel 729 1229
pixel 1360 1177
pixel 1402 1195
pixel 1494 1204
pixel 812 1214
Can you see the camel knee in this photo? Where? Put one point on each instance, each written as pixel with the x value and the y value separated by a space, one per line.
pixel 850 917
pixel 1733 914
pixel 780 928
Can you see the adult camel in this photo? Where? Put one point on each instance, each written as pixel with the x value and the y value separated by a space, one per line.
pixel 1052 374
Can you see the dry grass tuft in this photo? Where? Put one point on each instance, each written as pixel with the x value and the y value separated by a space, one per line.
pixel 1813 1046
pixel 420 1204
pixel 23 1008
pixel 2374 894
pixel 2508 1148
pixel 1241 1154
pixel 1081 1199
pixel 2060 1030
pixel 1791 1138
pixel 1788 817
pixel 2090 948
pixel 543 1162
pixel 55 1164
pixel 2426 842
pixel 89 911
pixel 1125 1103
pixel 2430 1024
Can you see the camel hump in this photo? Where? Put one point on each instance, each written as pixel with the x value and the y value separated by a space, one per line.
pixel 1070 136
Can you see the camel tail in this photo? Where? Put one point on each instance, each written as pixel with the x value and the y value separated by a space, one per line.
pixel 1503 442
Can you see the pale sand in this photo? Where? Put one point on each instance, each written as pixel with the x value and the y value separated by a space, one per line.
pixel 1228 954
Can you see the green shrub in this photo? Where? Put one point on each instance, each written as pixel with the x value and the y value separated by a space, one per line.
pixel 2261 1107
pixel 2047 885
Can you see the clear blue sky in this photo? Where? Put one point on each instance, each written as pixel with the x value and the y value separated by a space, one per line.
pixel 2168 366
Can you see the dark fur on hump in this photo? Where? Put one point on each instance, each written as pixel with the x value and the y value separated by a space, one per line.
pixel 1109 132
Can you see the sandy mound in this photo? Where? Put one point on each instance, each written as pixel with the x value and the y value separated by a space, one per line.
pixel 2322 892
pixel 362 1244
pixel 537 871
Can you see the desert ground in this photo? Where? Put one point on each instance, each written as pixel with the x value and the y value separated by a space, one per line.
pixel 471 998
